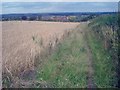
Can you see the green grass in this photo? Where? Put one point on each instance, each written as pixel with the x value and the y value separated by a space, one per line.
pixel 105 20
pixel 67 67
pixel 101 29
pixel 104 67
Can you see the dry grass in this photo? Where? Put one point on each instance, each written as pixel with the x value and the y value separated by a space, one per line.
pixel 23 41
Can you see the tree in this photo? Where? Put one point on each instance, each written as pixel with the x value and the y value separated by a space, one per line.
pixel 24 18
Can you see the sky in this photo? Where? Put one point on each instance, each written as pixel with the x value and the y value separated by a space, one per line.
pixel 51 7
pixel 60 0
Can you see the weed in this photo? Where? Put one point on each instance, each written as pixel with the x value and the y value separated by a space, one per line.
pixel 38 40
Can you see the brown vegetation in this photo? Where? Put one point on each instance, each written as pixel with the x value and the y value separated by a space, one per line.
pixel 24 40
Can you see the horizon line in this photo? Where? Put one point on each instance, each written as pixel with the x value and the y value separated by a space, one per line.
pixel 61 12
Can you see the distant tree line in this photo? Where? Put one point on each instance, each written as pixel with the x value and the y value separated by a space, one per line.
pixel 77 18
pixel 27 18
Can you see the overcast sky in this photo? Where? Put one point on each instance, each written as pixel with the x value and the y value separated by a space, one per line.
pixel 59 0
pixel 49 7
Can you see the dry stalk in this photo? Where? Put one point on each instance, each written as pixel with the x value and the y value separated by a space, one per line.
pixel 9 72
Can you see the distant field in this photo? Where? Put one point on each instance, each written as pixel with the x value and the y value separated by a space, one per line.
pixel 22 40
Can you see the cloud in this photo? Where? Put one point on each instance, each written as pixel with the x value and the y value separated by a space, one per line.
pixel 60 1
pixel 42 7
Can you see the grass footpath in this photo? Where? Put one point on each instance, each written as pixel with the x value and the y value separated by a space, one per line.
pixel 67 67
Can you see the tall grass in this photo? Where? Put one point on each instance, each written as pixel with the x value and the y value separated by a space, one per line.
pixel 104 68
pixel 67 67
pixel 105 63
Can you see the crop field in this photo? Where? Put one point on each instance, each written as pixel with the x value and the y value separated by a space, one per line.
pixel 59 44
pixel 37 54
pixel 22 40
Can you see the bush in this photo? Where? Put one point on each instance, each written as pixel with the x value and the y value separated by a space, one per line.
pixel 106 29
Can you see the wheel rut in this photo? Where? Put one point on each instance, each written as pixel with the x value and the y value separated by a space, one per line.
pixel 90 72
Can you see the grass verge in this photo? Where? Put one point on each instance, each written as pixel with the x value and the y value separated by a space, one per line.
pixel 104 67
pixel 67 67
